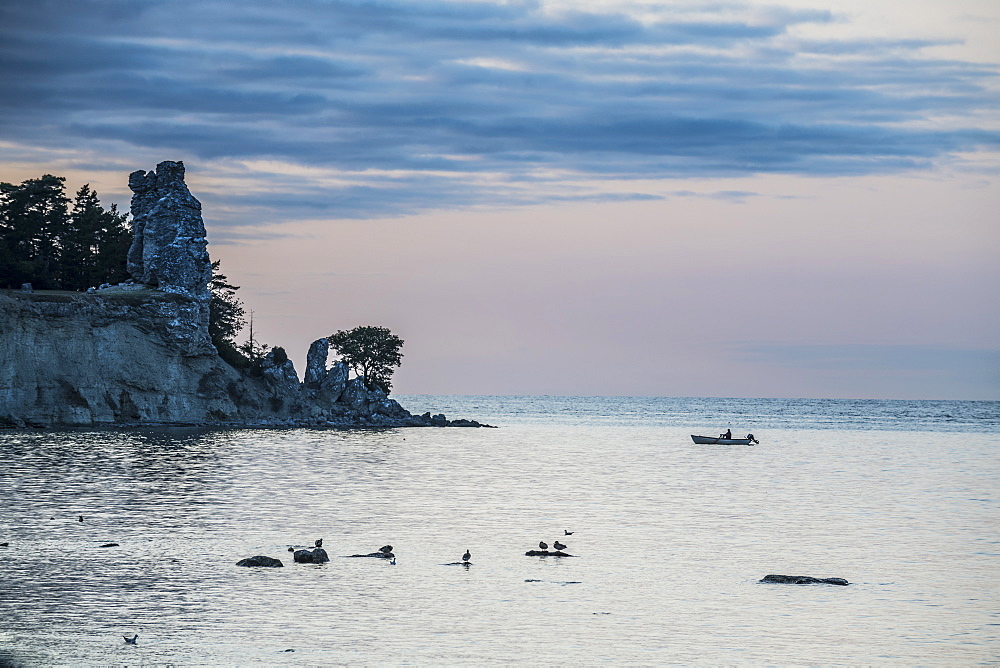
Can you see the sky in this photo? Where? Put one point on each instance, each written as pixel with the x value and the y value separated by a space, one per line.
pixel 734 199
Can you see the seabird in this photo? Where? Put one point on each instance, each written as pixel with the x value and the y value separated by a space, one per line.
pixel 131 641
pixel 81 518
pixel 558 545
pixel 567 532
pixel 466 556
pixel 385 549
pixel 393 561
pixel 319 543
pixel 542 545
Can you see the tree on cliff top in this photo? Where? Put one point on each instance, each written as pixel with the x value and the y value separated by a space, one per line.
pixel 95 244
pixel 43 243
pixel 33 219
pixel 371 352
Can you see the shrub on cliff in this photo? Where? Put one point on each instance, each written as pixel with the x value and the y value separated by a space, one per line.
pixel 371 352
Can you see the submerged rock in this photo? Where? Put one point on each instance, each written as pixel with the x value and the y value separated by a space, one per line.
pixel 374 555
pixel 261 561
pixel 802 579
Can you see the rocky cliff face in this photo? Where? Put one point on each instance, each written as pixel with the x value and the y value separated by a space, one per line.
pixel 140 353
pixel 129 356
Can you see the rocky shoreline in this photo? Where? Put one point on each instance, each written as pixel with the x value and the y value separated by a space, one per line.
pixel 131 357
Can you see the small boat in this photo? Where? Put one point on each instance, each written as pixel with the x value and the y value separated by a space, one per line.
pixel 708 440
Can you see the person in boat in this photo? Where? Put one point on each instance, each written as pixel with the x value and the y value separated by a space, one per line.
pixel 728 434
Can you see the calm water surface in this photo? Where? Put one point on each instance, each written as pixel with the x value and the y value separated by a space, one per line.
pixel 900 498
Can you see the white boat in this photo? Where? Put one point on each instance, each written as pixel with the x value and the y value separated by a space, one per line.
pixel 708 440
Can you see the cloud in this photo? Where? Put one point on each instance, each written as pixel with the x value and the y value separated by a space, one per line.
pixel 733 196
pixel 434 104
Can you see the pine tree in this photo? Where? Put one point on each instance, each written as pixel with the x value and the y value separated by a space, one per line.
pixel 226 318
pixel 43 243
pixel 33 220
pixel 96 245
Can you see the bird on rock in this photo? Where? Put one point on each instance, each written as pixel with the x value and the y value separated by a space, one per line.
pixel 558 545
pixel 385 549
pixel 567 532
pixel 466 556
pixel 319 543
pixel 131 641
pixel 542 545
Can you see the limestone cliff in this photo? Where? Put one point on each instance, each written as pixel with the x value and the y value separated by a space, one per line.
pixel 140 353
pixel 126 355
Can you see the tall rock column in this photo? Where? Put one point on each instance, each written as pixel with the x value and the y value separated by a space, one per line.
pixel 316 363
pixel 169 250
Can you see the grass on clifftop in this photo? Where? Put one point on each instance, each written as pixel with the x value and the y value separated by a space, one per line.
pixel 122 295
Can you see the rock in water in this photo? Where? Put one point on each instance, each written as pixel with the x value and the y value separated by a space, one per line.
pixel 316 363
pixel 317 556
pixel 261 560
pixel 802 579
pixel 169 249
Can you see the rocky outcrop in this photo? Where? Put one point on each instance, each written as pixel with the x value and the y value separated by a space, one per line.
pixel 332 386
pixel 546 553
pixel 316 556
pixel 140 353
pixel 802 579
pixel 260 561
pixel 169 250
pixel 279 371
pixel 319 350
pixel 123 356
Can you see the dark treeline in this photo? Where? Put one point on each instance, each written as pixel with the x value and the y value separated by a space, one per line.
pixel 56 244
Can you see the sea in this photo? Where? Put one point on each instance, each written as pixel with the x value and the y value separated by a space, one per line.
pixel 669 539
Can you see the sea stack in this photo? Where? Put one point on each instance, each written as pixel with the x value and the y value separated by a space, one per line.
pixel 169 250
